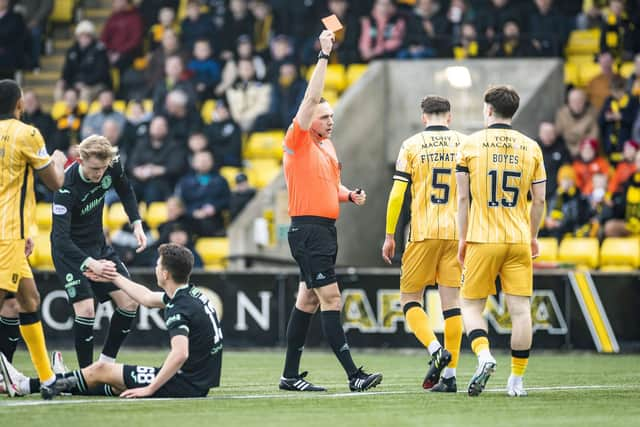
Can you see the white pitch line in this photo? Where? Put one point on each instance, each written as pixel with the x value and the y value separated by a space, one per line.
pixel 64 401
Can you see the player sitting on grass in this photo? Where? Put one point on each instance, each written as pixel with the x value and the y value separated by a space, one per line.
pixel 192 366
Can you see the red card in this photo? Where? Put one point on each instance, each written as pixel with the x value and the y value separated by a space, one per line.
pixel 332 23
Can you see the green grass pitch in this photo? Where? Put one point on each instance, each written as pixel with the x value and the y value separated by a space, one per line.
pixel 565 389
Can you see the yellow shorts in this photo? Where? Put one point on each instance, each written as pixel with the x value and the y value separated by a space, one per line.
pixel 428 262
pixel 14 265
pixel 486 261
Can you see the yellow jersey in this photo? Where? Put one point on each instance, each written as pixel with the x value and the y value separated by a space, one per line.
pixel 22 150
pixel 427 162
pixel 502 164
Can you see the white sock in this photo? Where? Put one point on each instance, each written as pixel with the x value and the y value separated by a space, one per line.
pixel 449 373
pixel 485 355
pixel 433 346
pixel 107 359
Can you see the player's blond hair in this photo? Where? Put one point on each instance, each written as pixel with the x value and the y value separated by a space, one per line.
pixel 99 147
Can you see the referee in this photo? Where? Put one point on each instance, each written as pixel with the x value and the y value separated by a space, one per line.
pixel 312 172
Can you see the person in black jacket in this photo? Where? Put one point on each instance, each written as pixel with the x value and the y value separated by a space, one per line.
pixel 554 153
pixel 86 66
pixel 34 116
pixel 156 163
pixel 428 31
pixel 13 34
pixel 225 137
pixel 286 96
pixel 548 29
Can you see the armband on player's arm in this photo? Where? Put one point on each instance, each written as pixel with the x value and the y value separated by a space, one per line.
pixel 394 206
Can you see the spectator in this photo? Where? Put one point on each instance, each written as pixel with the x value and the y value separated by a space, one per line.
pixel 577 121
pixel 458 14
pixel 263 27
pixel 86 66
pixel 244 50
pixel 554 153
pixel 625 168
pixel 510 44
pixel 617 32
pixel 281 52
pixel 125 243
pixel 206 71
pixel 241 195
pixel 205 194
pixel 238 21
pixel 616 119
pixel 623 219
pixel 34 115
pixel 589 164
pixel 248 98
pixel 68 126
pixel 123 34
pixel 286 97
pixel 114 132
pixel 197 142
pixel 382 32
pixel 176 218
pixel 149 9
pixel 345 46
pixel 598 88
pixel 196 26
pixel 155 71
pixel 13 36
pixel 181 236
pixel 633 84
pixel 426 28
pixel 182 117
pixel 138 120
pixel 548 29
pixel 468 44
pixel 156 163
pixel 568 208
pixel 591 16
pixel 493 17
pixel 92 124
pixel 175 79
pixel 225 137
pixel 35 13
pixel 166 21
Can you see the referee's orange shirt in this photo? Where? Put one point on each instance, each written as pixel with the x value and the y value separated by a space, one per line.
pixel 312 172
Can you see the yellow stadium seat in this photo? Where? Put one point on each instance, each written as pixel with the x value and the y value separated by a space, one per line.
pixel 354 72
pixel 581 59
pixel 335 78
pixel 229 173
pixel 583 42
pixel 260 172
pixel 264 145
pixel 587 73
pixel 59 109
pixel 617 268
pixel 331 96
pixel 62 12
pixel 626 69
pixel 142 209
pixel 43 259
pixel 116 217
pixel 43 216
pixel 548 249
pixel 94 107
pixel 156 214
pixel 571 74
pixel 620 252
pixel 207 111
pixel 213 251
pixel 580 251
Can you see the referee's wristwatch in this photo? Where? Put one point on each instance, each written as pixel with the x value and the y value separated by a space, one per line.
pixel 322 55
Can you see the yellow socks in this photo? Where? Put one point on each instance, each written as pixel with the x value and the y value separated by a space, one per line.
pixel 519 362
pixel 418 321
pixel 479 341
pixel 453 334
pixel 33 335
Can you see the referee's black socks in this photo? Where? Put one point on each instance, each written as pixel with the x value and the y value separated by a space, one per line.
pixel 332 329
pixel 297 329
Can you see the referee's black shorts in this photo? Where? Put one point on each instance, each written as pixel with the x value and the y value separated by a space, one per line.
pixel 314 246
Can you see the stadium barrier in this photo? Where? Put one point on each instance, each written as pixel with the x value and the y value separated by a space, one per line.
pixel 569 310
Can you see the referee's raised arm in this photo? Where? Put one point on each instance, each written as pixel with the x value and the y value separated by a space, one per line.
pixel 314 90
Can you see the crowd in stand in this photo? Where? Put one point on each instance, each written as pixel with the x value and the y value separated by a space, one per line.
pixel 247 55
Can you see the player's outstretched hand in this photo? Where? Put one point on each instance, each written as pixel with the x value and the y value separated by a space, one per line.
pixel 359 197
pixel 141 237
pixel 388 248
pixel 462 251
pixel 133 393
pixel 326 41
pixel 28 246
pixel 103 268
pixel 95 278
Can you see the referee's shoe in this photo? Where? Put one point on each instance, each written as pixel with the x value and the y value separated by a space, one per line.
pixel 361 381
pixel 298 384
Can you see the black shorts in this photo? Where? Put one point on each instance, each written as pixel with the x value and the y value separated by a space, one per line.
pixel 178 386
pixel 314 246
pixel 77 286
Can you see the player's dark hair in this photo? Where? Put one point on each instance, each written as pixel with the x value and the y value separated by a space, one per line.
pixel 504 100
pixel 177 260
pixel 10 93
pixel 433 104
